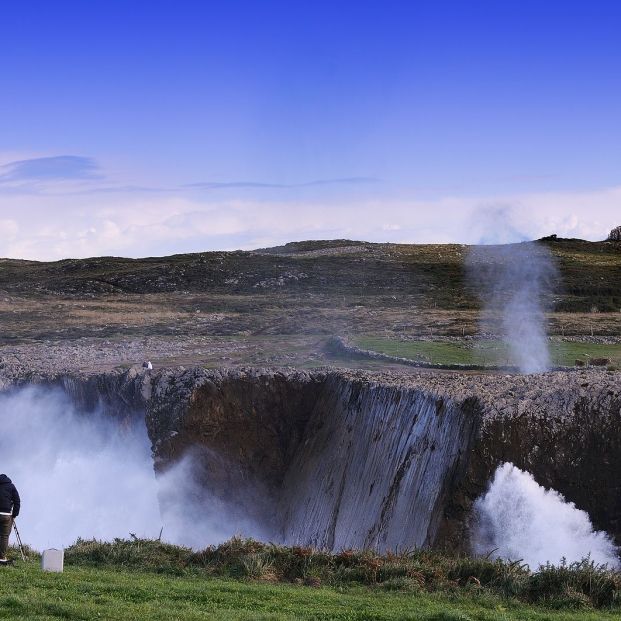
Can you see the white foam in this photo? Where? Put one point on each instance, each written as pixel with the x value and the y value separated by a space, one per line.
pixel 519 519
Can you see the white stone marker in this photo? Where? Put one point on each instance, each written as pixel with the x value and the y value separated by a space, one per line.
pixel 53 560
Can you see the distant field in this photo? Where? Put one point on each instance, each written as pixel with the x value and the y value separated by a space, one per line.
pixel 484 352
pixel 116 594
pixel 277 307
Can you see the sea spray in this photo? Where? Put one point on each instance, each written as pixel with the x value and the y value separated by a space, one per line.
pixel 519 519
pixel 90 475
pixel 78 475
pixel 194 516
pixel 514 283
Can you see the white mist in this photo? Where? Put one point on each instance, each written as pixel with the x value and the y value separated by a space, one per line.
pixel 519 519
pixel 89 475
pixel 514 283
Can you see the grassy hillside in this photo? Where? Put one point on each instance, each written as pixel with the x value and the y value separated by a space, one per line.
pixel 88 593
pixel 244 579
pixel 430 276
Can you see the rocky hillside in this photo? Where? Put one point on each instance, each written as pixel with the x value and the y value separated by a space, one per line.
pixel 277 306
pixel 301 451
pixel 430 275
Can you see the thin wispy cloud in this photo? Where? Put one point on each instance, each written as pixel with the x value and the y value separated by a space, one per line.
pixel 215 185
pixel 121 189
pixel 56 168
pixel 77 175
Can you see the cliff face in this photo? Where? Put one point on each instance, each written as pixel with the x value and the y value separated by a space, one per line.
pixel 121 394
pixel 339 462
pixel 341 459
pixel 567 433
pixel 376 467
pixel 356 459
pixel 242 427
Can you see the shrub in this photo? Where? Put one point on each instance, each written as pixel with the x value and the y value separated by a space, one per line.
pixel 148 554
pixel 259 566
pixel 600 585
pixel 574 585
pixel 14 553
pixel 508 578
pixel 569 599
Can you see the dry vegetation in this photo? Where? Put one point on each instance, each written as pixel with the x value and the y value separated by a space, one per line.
pixel 275 306
pixel 578 585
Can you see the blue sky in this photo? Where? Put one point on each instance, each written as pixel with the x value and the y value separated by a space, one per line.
pixel 154 127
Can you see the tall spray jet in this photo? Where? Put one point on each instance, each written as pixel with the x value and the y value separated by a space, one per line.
pixel 515 282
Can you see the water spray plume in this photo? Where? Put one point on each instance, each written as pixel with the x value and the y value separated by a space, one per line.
pixel 515 283
pixel 519 519
pixel 87 475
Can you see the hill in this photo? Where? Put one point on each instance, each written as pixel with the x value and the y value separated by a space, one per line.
pixel 431 276
pixel 275 305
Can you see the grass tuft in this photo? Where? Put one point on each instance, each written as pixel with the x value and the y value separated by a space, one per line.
pixel 577 585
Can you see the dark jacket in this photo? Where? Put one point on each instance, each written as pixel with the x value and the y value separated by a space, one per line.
pixel 9 498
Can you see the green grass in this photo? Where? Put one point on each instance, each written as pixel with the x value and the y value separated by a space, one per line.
pixel 426 351
pixel 114 593
pixel 484 352
pixel 568 353
pixel 246 579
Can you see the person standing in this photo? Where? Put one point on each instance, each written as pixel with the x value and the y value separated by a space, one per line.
pixel 9 509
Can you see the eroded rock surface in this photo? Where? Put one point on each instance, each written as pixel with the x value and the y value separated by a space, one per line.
pixel 376 467
pixel 346 456
pixel 340 458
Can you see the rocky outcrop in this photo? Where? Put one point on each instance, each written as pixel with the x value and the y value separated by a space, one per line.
pixel 120 394
pixel 359 459
pixel 338 458
pixel 241 426
pixel 256 417
pixel 565 429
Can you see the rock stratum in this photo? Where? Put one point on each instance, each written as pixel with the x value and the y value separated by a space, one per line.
pixel 349 459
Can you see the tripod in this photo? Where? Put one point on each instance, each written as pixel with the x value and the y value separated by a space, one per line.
pixel 19 541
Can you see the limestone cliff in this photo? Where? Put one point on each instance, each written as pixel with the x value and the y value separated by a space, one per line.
pixel 384 460
pixel 376 467
pixel 352 459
